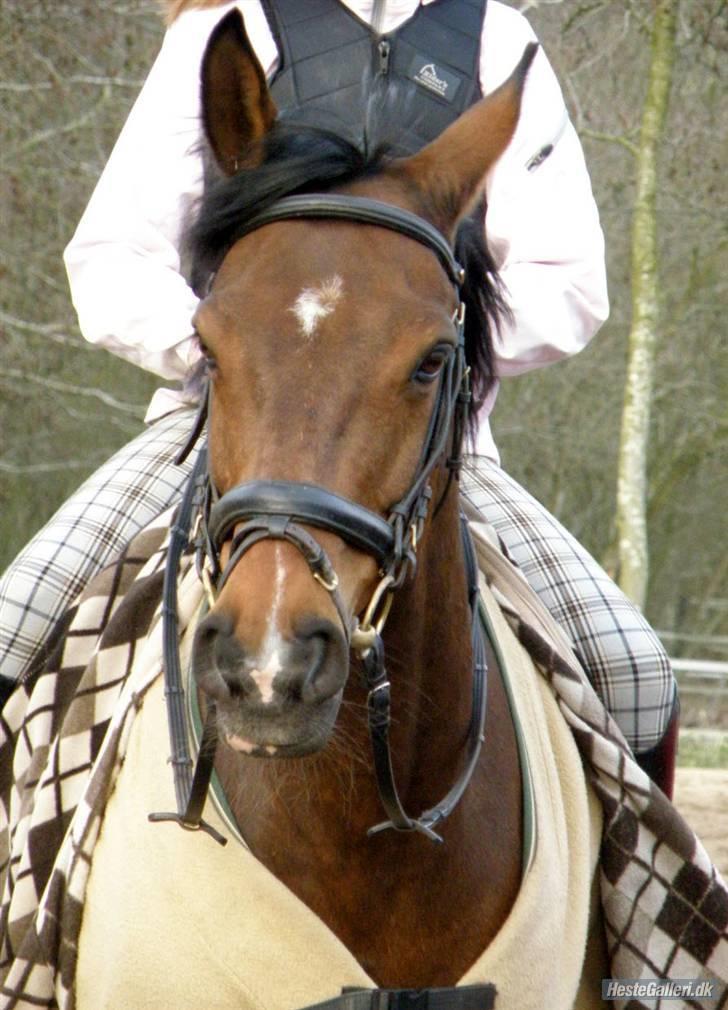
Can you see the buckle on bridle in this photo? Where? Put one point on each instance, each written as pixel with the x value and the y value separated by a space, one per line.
pixel 370 627
pixel 329 584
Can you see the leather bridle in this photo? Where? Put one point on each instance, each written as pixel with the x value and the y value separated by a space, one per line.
pixel 263 509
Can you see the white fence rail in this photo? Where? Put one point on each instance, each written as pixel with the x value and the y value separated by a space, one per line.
pixel 709 669
pixel 701 676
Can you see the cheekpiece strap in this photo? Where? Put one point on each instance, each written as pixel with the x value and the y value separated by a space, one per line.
pixel 197 426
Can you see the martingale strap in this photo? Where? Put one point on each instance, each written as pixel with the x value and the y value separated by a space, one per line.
pixel 378 709
pixel 190 789
pixel 467 997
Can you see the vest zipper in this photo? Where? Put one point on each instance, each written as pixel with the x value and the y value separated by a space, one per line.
pixel 383 48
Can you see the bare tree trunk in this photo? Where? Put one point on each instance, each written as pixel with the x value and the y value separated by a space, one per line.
pixel 632 472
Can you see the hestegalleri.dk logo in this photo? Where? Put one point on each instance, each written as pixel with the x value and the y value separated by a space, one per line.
pixel 659 988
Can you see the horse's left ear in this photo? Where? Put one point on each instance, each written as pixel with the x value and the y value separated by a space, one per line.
pixel 450 172
pixel 237 109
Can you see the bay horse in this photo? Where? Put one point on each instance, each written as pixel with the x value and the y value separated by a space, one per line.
pixel 326 342
pixel 345 348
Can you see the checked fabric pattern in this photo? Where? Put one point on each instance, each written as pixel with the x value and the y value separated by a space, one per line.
pixel 63 737
pixel 665 907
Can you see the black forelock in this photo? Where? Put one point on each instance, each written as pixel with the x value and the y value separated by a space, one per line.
pixel 485 307
pixel 293 159
pixel 300 159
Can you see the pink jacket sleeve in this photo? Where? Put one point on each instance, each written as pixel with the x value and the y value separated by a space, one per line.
pixel 124 262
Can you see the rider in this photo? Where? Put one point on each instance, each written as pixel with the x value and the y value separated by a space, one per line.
pixel 127 277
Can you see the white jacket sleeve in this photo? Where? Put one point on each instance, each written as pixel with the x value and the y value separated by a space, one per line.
pixel 124 261
pixel 542 223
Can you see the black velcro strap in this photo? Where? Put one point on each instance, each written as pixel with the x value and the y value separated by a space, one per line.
pixel 468 997
pixel 304 503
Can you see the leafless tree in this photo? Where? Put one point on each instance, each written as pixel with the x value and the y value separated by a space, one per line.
pixel 69 71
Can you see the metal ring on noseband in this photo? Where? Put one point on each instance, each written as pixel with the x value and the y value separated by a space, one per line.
pixel 261 510
pixel 365 634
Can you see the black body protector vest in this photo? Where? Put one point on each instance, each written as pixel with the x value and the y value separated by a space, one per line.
pixel 335 68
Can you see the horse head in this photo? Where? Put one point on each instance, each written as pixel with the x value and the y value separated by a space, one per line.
pixel 330 342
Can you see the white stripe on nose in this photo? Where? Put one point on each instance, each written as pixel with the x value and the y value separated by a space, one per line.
pixel 265 675
pixel 268 663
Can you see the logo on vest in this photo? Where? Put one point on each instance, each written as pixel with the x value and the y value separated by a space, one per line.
pixel 441 82
pixel 427 75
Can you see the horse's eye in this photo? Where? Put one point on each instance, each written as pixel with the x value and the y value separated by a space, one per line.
pixel 431 365
pixel 208 358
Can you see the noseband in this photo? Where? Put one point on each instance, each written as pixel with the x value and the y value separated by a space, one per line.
pixel 262 509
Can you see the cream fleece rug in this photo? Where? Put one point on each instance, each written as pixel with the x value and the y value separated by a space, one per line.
pixel 195 924
pixel 75 734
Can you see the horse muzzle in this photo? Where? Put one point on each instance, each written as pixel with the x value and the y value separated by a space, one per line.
pixel 279 699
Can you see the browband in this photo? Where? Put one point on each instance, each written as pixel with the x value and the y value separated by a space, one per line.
pixel 363 210
pixel 305 503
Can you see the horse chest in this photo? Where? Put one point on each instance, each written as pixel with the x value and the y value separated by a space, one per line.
pixel 410 913
pixel 413 913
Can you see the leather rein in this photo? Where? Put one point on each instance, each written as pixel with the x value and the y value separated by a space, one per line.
pixel 262 509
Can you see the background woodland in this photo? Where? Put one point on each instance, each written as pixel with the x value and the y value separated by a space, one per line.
pixel 69 72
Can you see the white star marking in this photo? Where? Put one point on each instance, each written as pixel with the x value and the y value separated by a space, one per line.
pixel 314 304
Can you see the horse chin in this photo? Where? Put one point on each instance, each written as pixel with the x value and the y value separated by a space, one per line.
pixel 285 734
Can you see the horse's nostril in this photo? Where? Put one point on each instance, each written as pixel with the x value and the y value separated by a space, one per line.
pixel 213 625
pixel 217 657
pixel 215 641
pixel 325 651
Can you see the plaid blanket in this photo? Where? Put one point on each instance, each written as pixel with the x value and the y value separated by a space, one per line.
pixel 63 736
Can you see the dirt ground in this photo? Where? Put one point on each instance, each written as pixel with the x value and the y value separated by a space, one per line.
pixel 701 796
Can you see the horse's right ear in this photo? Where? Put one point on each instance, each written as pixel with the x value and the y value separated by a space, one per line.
pixel 237 108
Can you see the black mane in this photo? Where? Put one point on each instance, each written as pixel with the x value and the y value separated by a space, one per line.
pixel 306 160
